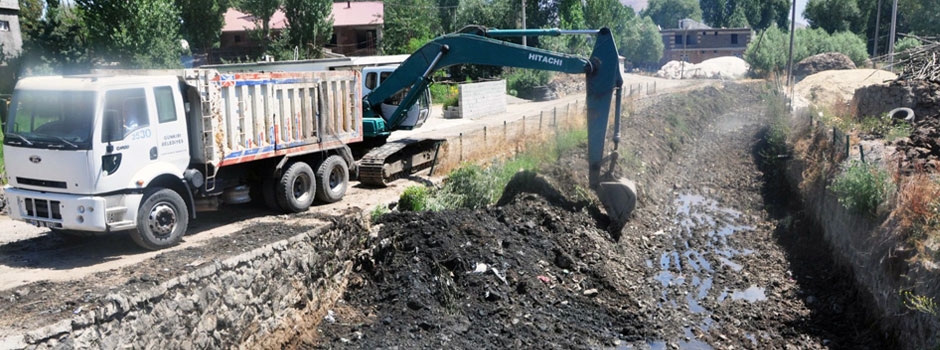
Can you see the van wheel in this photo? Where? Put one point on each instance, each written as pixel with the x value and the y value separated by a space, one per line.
pixel 161 220
pixel 332 179
pixel 296 188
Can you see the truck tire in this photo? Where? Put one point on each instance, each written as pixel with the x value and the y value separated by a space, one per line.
pixel 269 193
pixel 162 220
pixel 332 179
pixel 296 189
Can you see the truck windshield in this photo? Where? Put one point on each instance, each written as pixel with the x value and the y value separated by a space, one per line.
pixel 51 119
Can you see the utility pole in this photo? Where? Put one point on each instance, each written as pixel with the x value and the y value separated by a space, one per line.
pixel 894 22
pixel 874 52
pixel 790 54
pixel 523 21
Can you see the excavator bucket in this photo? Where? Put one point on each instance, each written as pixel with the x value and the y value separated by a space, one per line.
pixel 619 199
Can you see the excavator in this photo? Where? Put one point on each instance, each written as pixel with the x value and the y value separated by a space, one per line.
pixel 390 106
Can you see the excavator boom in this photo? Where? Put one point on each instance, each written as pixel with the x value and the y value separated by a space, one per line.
pixel 477 45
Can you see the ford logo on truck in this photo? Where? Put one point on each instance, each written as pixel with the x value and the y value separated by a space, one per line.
pixel 35 159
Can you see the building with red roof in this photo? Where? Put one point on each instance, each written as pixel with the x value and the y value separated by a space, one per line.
pixel 357 30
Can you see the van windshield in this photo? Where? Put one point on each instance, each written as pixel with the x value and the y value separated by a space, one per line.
pixel 51 119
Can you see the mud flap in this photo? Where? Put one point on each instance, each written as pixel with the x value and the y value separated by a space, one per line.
pixel 619 199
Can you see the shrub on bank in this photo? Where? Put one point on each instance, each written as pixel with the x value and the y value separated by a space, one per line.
pixel 861 187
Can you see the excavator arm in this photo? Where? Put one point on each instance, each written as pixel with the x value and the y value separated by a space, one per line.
pixel 477 45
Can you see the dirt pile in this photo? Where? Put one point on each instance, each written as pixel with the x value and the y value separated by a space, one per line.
pixel 836 87
pixel 921 151
pixel 528 274
pixel 822 62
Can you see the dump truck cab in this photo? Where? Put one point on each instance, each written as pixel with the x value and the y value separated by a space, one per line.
pixel 80 151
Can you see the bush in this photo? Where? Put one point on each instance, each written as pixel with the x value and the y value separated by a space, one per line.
pixel 768 51
pixel 524 80
pixel 468 187
pixel 414 198
pixel 861 187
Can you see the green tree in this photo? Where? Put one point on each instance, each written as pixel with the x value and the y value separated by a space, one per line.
pixel 30 14
pixel 407 20
pixel 136 34
pixel 919 16
pixel 57 42
pixel 667 13
pixel 202 22
pixel 310 25
pixel 767 54
pixel 738 19
pixel 834 15
pixel 262 10
pixel 649 47
pixel 570 16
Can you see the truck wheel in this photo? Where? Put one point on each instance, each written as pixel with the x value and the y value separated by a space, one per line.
pixel 332 179
pixel 161 221
pixel 296 189
pixel 269 193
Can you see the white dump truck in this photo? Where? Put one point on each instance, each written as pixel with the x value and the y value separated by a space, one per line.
pixel 142 153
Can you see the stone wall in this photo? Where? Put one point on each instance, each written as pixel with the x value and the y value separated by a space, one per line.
pixel 878 99
pixel 882 264
pixel 482 99
pixel 253 300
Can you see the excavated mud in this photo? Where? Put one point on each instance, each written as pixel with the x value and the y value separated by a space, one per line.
pixel 711 259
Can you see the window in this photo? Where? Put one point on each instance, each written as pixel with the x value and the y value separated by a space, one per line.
pixel 238 38
pixel 734 39
pixel 166 108
pixel 125 111
pixel 678 38
pixel 371 81
pixel 4 26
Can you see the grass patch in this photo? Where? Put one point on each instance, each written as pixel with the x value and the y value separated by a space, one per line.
pixel 861 187
pixel 472 186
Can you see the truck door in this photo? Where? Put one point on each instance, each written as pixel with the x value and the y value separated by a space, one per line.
pixel 170 128
pixel 128 133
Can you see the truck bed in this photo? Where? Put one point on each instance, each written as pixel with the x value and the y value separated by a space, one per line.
pixel 251 116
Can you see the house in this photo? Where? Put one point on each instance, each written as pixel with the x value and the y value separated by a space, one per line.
pixel 10 37
pixel 357 31
pixel 695 42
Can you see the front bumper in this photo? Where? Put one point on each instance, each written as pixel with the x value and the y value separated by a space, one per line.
pixel 73 212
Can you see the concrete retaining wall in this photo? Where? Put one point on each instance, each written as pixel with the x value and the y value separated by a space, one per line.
pixel 253 300
pixel 482 99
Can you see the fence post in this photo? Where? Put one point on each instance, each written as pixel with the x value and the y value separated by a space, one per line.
pixel 484 134
pixel 540 121
pixel 861 152
pixel 461 148
pixel 523 126
pixel 505 128
pixel 846 146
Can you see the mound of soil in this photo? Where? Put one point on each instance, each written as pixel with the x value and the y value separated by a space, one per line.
pixel 921 151
pixel 822 62
pixel 527 274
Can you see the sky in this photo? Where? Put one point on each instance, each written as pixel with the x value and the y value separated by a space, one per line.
pixel 638 5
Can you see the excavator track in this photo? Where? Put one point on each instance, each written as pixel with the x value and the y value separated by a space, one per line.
pixel 397 159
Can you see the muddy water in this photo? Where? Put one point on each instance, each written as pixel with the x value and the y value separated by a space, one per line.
pixel 703 231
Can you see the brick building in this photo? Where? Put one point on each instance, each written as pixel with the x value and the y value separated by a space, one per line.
pixel 695 42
